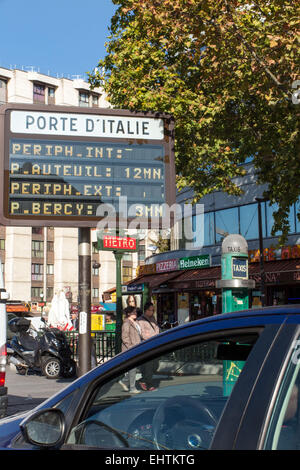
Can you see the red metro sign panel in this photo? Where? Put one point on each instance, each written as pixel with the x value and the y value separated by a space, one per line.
pixel 111 243
pixel 59 166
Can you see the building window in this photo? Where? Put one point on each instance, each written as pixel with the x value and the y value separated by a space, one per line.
pixel 95 271
pixel 37 272
pixel 249 221
pixel 95 100
pixel 127 256
pixel 43 94
pixel 95 248
pixel 227 221
pixel 50 269
pixel 49 294
pixel 95 293
pixel 270 219
pixel 38 93
pixel 127 273
pixel 37 249
pixel 142 253
pixel 3 91
pixel 51 95
pixel 37 230
pixel 2 244
pixel 37 293
pixel 209 228
pixel 83 99
pixel 203 226
pixel 50 246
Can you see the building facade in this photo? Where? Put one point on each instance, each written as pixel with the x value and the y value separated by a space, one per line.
pixel 183 281
pixel 39 261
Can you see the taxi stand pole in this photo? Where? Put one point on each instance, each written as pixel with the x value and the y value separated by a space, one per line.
pixel 84 281
pixel 235 287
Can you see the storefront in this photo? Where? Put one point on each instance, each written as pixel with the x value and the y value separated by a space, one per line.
pixel 180 292
pixel 282 282
pixel 197 289
pixel 184 289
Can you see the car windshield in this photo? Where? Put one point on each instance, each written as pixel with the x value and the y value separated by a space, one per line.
pixel 191 386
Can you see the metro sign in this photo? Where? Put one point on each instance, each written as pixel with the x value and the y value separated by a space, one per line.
pixel 116 243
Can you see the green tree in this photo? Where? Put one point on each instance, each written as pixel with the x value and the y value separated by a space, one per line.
pixel 162 244
pixel 225 69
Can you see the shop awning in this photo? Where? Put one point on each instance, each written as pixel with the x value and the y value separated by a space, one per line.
pixel 197 278
pixel 155 280
pixel 197 274
pixel 279 271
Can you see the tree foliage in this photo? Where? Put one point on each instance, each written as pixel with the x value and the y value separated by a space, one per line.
pixel 225 69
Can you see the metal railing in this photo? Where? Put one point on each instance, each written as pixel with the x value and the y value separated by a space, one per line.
pixel 103 341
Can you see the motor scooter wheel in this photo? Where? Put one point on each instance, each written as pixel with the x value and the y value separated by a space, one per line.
pixel 51 368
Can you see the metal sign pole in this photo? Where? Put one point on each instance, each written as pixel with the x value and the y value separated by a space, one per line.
pixel 84 281
pixel 118 257
pixel 3 338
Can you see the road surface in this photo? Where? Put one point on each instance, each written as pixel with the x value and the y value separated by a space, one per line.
pixel 26 392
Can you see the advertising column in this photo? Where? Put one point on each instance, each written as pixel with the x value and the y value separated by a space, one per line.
pixel 235 287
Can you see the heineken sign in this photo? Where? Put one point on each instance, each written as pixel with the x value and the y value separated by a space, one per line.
pixel 191 262
pixel 195 262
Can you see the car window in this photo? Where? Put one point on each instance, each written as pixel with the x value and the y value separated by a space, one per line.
pixel 284 428
pixel 187 390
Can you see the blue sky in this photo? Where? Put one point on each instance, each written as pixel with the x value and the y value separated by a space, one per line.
pixel 59 38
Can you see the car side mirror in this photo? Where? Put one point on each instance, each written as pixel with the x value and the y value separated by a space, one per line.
pixel 45 428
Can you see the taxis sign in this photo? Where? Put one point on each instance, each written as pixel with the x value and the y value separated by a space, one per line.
pixel 239 268
pixel 59 164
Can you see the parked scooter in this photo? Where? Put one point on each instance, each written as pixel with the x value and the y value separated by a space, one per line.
pixel 47 351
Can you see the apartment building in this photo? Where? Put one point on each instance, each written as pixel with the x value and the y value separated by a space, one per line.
pixel 39 261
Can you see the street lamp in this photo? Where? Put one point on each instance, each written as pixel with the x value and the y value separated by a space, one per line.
pixel 261 251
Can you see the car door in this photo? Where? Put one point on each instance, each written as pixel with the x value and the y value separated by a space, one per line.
pixel 272 416
pixel 202 384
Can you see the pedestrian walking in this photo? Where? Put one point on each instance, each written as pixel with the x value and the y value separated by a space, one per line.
pixel 149 328
pixel 131 335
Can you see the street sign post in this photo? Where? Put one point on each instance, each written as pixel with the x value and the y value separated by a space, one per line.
pixel 118 245
pixel 60 166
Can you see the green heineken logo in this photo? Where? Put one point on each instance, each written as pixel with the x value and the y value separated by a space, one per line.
pixel 194 262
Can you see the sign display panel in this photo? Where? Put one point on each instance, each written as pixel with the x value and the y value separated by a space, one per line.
pixel 72 179
pixel 59 168
pixel 240 268
pixel 195 262
pixel 113 243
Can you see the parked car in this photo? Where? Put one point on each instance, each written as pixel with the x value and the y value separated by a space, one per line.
pixel 225 382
